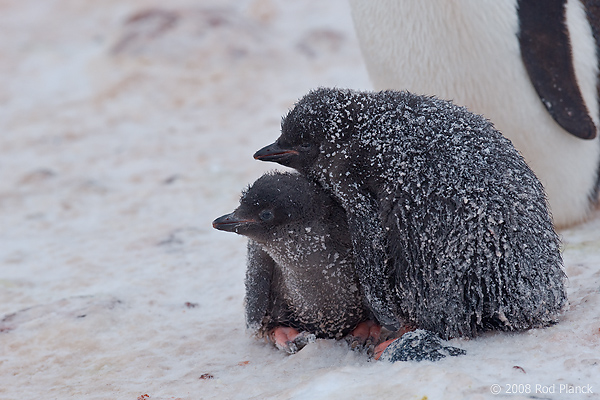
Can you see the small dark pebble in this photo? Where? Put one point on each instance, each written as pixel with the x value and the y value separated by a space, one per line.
pixel 206 376
pixel 171 179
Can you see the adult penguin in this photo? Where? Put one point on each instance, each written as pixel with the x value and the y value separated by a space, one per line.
pixel 529 66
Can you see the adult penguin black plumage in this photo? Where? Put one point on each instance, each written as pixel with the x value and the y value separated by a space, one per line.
pixel 300 261
pixel 531 66
pixel 438 200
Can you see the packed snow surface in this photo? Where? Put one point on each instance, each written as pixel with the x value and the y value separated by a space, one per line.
pixel 126 127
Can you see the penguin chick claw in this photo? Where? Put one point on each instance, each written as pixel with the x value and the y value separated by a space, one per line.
pixel 419 345
pixel 289 339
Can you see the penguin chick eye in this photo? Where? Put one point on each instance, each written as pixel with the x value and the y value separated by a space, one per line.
pixel 305 146
pixel 266 215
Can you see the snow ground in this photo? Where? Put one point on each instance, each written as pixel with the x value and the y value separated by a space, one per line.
pixel 126 128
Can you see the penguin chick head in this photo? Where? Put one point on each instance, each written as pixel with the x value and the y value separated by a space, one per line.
pixel 303 128
pixel 274 201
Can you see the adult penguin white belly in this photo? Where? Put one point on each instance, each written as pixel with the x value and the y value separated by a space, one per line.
pixel 529 66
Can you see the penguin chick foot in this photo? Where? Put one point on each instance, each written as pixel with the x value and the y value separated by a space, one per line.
pixel 289 339
pixel 417 345
pixel 365 336
pixel 387 337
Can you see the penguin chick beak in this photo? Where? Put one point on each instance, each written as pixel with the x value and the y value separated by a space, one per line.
pixel 231 223
pixel 274 152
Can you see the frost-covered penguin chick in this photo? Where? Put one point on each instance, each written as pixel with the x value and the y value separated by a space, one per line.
pixel 300 261
pixel 449 226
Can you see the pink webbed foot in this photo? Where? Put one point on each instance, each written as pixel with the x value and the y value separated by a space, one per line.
pixel 365 336
pixel 289 339
pixel 380 348
pixel 418 345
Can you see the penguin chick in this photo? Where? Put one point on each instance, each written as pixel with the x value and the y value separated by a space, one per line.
pixel 300 261
pixel 530 66
pixel 449 226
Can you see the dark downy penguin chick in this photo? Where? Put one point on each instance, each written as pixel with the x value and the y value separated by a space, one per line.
pixel 449 226
pixel 300 261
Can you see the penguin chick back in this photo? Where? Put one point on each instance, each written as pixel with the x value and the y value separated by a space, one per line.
pixel 438 198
